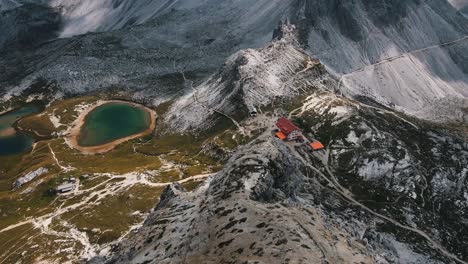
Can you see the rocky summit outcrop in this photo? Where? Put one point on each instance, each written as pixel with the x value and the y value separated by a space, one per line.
pixel 252 211
pixel 249 80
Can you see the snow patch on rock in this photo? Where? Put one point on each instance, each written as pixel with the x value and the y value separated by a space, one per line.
pixel 29 177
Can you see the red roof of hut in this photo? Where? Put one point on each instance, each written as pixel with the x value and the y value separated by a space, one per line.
pixel 286 126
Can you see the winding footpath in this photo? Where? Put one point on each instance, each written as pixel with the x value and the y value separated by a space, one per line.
pixel 324 157
pixel 196 99
pixel 127 181
pixel 94 196
pixel 346 194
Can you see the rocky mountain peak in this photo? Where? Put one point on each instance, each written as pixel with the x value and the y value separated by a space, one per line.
pixel 250 79
pixel 170 192
pixel 286 32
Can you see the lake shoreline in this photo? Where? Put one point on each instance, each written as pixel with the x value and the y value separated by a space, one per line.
pixel 74 132
pixel 14 140
pixel 7 132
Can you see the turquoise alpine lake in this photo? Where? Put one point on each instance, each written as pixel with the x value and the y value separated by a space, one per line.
pixel 112 121
pixel 11 141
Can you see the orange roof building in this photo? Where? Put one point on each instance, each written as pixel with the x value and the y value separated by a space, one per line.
pixel 316 145
pixel 280 135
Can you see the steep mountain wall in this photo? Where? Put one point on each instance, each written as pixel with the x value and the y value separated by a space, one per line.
pixel 461 6
pixel 391 50
pixel 8 4
pixel 27 25
pixel 194 38
pixel 89 16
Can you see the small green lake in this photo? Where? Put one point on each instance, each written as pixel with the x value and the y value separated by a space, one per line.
pixel 112 121
pixel 15 142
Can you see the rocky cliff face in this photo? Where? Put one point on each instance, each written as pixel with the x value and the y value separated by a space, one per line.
pixel 27 26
